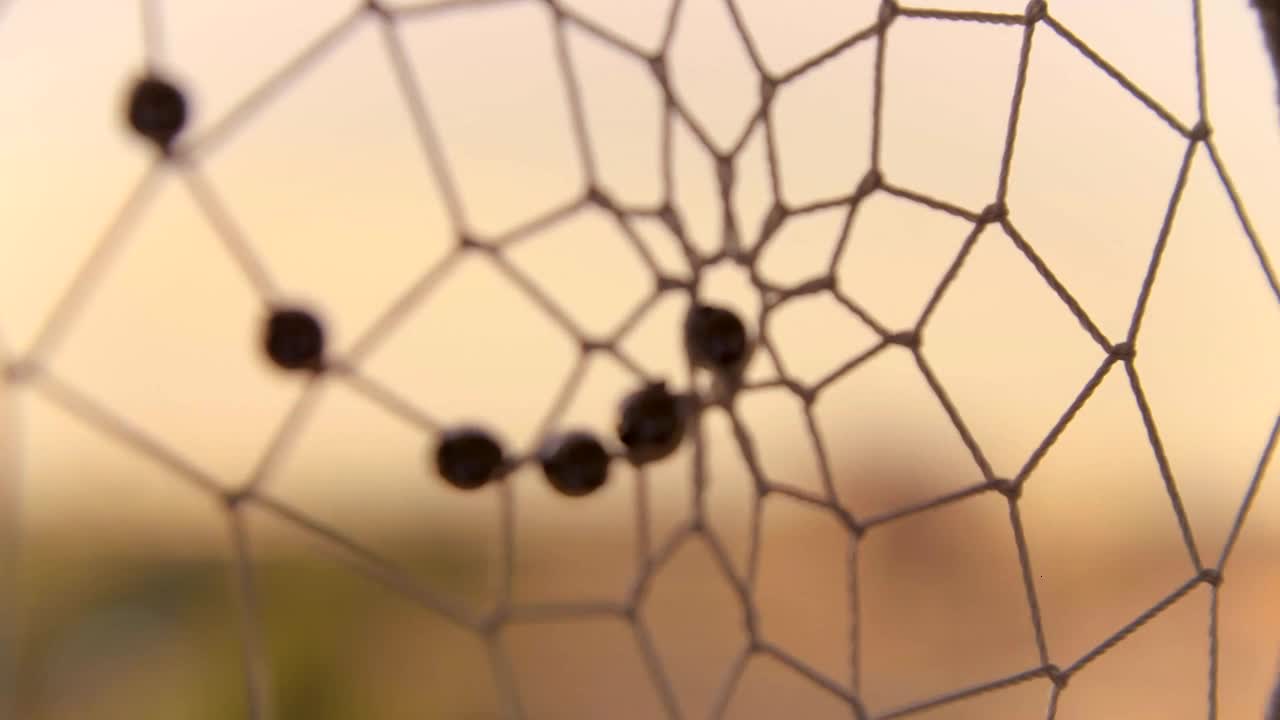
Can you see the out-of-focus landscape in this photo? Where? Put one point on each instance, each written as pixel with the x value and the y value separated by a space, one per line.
pixel 126 591
pixel 145 632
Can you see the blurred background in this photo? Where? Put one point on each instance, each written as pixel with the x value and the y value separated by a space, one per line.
pixel 122 595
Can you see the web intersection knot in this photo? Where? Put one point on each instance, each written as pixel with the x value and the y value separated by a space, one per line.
pixel 663 413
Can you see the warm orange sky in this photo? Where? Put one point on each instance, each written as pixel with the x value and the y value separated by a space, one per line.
pixel 329 185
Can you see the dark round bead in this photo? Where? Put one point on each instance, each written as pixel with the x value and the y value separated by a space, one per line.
pixel 575 464
pixel 157 111
pixel 294 339
pixel 468 458
pixel 715 338
pixel 652 423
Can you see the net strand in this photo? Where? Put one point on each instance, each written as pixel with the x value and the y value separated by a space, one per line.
pixel 729 683
pixel 1061 424
pixel 1124 632
pixel 1028 576
pixel 825 476
pixel 643 520
pixel 1162 240
pixel 509 240
pixel 933 503
pixel 977 16
pixel 872 31
pixel 572 382
pixel 79 405
pixel 365 561
pixel 601 33
pixel 877 86
pixel 573 92
pixel 748 43
pixel 304 406
pixel 630 322
pixel 229 231
pixel 657 673
pixel 1264 263
pixel 257 675
pixel 1162 462
pixel 88 275
pixel 229 125
pixel 963 694
pixel 1055 285
pixel 970 442
pixel 1118 76
pixel 1197 41
pixel 409 82
pixel 504 679
pixel 1015 112
pixel 392 402
pixel 764 647
pixel 854 598
pixel 504 571
pixel 405 305
pixel 1055 693
pixel 29 370
pixel 153 50
pixel 953 270
pixel 929 202
pixel 1255 484
pixel 1213 652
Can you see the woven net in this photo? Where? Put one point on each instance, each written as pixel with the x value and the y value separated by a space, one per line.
pixel 729 199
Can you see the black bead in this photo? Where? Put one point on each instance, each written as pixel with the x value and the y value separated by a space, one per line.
pixel 294 339
pixel 652 423
pixel 716 339
pixel 157 111
pixel 575 464
pixel 468 458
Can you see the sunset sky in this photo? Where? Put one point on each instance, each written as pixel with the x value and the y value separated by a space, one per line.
pixel 330 187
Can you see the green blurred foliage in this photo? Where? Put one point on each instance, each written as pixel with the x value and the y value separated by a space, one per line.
pixel 154 636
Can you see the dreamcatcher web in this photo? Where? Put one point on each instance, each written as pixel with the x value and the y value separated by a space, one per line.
pixel 732 353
